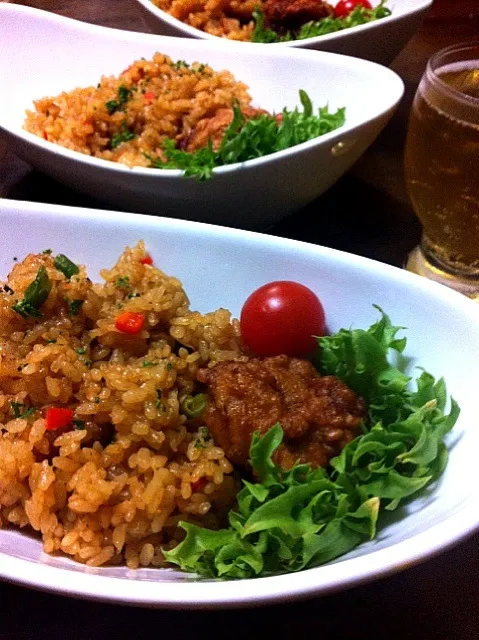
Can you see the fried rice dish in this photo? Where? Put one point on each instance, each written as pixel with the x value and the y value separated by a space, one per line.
pixel 270 21
pixel 233 19
pixel 124 412
pixel 127 118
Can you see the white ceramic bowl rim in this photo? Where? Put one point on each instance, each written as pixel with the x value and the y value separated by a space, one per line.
pixel 205 594
pixel 336 36
pixel 395 88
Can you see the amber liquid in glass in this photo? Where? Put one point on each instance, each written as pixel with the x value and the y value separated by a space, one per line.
pixel 442 175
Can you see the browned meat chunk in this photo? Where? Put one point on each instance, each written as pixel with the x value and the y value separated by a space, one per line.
pixel 288 15
pixel 319 415
pixel 214 128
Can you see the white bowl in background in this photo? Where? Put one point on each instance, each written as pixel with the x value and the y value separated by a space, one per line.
pixel 43 54
pixel 221 267
pixel 379 41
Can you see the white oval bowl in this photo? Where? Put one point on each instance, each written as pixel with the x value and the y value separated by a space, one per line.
pixel 379 41
pixel 43 54
pixel 220 267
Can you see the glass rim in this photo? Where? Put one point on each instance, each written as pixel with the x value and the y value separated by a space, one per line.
pixel 443 86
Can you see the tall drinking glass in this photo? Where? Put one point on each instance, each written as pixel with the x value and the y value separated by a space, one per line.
pixel 442 168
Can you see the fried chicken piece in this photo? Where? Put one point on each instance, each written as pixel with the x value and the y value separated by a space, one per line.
pixel 289 15
pixel 319 415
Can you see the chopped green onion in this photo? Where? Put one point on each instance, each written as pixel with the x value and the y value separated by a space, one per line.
pixel 79 424
pixel 75 306
pixel 66 266
pixel 35 295
pixel 194 406
pixel 122 282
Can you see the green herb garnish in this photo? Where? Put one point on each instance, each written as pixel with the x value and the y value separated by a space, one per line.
pixel 180 64
pixel 124 94
pixel 21 411
pixel 148 363
pixel 79 424
pixel 66 266
pixel 74 306
pixel 247 139
pixel 47 252
pixel 292 520
pixel 133 295
pixel 123 282
pixel 124 135
pixel 35 295
pixel 202 436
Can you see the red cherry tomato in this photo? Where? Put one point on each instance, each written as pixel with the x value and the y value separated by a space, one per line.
pixel 344 7
pixel 281 318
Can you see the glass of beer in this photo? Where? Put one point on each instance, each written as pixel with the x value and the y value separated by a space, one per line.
pixel 442 169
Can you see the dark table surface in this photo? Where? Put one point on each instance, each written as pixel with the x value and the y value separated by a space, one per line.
pixel 367 212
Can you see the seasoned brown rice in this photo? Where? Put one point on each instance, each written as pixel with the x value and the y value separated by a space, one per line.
pixel 113 488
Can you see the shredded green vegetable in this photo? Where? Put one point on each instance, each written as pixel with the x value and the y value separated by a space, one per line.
pixel 292 520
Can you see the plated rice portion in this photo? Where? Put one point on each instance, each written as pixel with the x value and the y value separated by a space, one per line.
pixel 173 115
pixel 127 119
pixel 122 413
pixel 268 21
pixel 99 448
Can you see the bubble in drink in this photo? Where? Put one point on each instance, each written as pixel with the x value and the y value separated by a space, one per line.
pixel 442 167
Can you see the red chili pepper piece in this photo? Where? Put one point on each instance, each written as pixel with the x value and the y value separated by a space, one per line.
pixel 45 135
pixel 130 322
pixel 56 418
pixel 147 260
pixel 149 97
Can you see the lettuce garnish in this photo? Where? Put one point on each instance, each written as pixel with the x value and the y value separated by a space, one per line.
pixel 297 519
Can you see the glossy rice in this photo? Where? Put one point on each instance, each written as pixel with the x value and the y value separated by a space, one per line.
pixel 111 487
pixel 127 118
